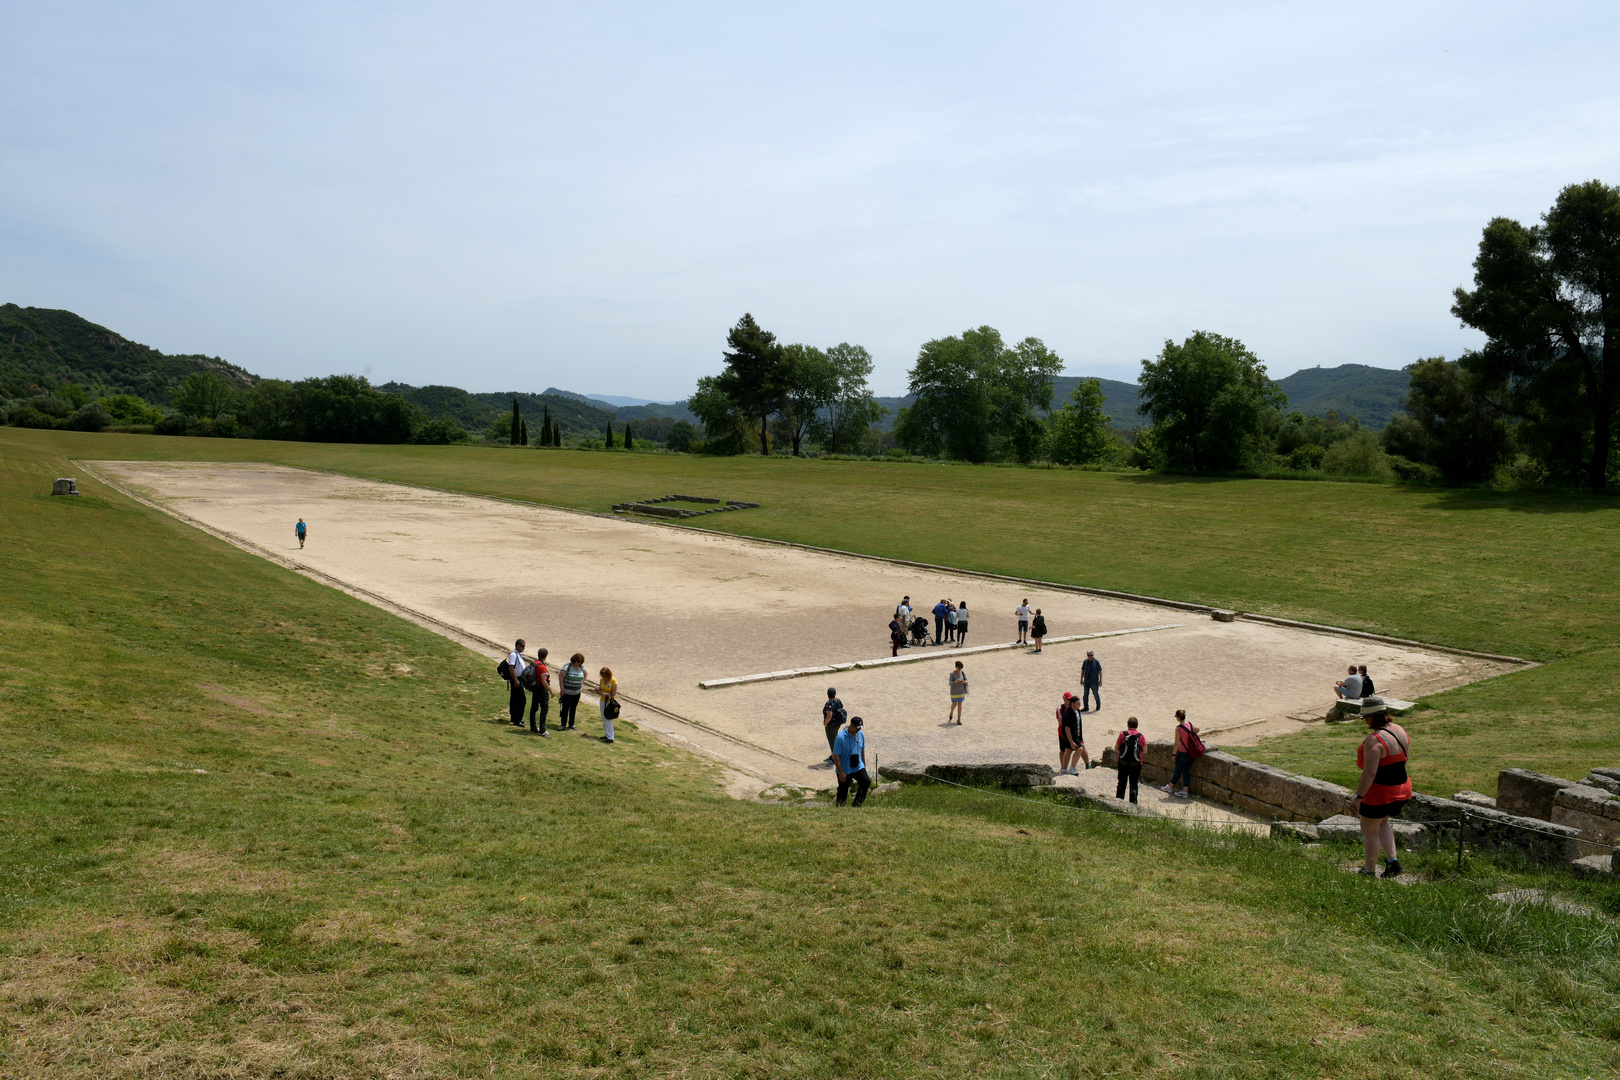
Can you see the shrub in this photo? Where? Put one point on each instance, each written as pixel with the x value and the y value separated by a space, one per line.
pixel 129 409
pixel 173 424
pixel 1357 455
pixel 681 436
pixel 1308 456
pixel 440 432
pixel 91 417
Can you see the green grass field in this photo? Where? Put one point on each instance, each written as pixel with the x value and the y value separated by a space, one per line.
pixel 252 827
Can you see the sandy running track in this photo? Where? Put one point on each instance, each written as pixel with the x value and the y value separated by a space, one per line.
pixel 666 608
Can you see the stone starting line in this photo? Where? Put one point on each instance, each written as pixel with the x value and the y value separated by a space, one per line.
pixel 943 654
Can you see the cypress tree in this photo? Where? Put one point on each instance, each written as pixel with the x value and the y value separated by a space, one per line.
pixel 556 434
pixel 610 436
pixel 517 422
pixel 545 425
pixel 629 440
pixel 523 429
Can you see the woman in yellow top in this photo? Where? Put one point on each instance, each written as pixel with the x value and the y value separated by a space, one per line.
pixel 607 701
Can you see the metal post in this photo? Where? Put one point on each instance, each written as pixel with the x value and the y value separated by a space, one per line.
pixel 1461 823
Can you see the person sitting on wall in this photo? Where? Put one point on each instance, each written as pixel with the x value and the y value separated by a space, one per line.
pixel 1349 686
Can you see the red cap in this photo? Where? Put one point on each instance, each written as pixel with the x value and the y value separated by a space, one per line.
pixel 1067 696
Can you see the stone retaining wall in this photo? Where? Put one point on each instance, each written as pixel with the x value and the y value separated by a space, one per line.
pixel 1275 793
pixel 1593 811
pixel 1527 793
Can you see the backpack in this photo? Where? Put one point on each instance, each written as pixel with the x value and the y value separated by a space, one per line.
pixel 840 715
pixel 1130 751
pixel 531 677
pixel 1195 745
pixel 503 669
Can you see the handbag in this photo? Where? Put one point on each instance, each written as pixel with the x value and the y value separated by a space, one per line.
pixel 610 708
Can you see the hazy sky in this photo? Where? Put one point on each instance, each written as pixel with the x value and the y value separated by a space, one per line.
pixel 510 196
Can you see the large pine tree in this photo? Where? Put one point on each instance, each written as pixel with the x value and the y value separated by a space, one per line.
pixel 517 422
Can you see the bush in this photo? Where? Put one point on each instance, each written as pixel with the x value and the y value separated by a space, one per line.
pixel 1407 469
pixel 1306 457
pixel 681 436
pixel 441 432
pixel 91 417
pixel 173 424
pixel 129 409
pixel 1357 455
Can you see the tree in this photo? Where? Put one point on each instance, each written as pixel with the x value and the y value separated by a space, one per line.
pixel 629 439
pixel 204 395
pixel 851 409
pixel 725 426
pixel 523 431
pixel 545 425
pixel 1207 398
pixel 517 422
pixel 1080 429
pixel 812 384
pixel 337 408
pixel 976 397
pixel 1458 430
pixel 1547 298
pixel 680 436
pixel 609 431
pixel 757 377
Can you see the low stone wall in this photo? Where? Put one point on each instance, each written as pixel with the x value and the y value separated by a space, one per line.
pixel 1246 785
pixel 1594 812
pixel 1527 793
pixel 1275 793
pixel 1006 775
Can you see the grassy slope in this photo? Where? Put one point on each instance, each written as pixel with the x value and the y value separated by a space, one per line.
pixel 1530 575
pixel 255 827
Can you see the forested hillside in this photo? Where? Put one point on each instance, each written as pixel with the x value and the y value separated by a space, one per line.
pixel 43 349
pixel 1372 395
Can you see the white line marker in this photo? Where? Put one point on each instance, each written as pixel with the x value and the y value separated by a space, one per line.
pixel 946 654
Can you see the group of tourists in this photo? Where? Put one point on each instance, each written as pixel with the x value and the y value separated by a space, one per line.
pixel 1090 690
pixel 530 688
pixel 908 627
pixel 846 743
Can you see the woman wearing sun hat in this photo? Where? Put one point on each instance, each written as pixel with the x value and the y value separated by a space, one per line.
pixel 1384 788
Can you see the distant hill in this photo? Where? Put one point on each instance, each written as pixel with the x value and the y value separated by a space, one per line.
pixel 1372 395
pixel 476 412
pixel 647 411
pixel 42 349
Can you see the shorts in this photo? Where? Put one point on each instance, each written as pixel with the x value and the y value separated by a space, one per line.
pixel 1069 739
pixel 1384 810
pixel 1023 624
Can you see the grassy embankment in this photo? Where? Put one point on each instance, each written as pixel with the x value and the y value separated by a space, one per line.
pixel 254 827
pixel 1526 574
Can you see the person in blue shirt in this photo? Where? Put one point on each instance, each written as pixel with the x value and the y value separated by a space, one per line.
pixel 301 529
pixel 941 609
pixel 849 758
pixel 1091 681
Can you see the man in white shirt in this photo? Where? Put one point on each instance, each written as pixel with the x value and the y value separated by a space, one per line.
pixel 514 675
pixel 1023 622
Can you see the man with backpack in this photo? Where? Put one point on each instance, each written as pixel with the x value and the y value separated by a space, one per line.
pixel 537 678
pixel 514 666
pixel 832 718
pixel 1129 748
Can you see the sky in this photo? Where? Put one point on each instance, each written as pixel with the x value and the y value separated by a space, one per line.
pixel 511 196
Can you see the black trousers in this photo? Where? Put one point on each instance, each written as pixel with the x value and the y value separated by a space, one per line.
pixel 1131 773
pixel 517 703
pixel 542 705
pixel 862 782
pixel 565 710
pixel 832 737
pixel 939 629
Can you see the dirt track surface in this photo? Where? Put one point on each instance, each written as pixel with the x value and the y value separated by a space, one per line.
pixel 665 608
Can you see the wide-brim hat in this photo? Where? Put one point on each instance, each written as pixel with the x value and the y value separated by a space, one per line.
pixel 1372 706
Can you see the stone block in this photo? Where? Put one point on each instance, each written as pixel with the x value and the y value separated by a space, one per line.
pixel 1161 753
pixel 907 772
pixel 1475 798
pixel 1588 800
pixel 1593 866
pixel 1594 812
pixel 1223 616
pixel 1007 775
pixel 1250 805
pixel 1409 836
pixel 1612 774
pixel 65 486
pixel 1527 793
pixel 1606 783
pixel 1302 831
pixel 1339 827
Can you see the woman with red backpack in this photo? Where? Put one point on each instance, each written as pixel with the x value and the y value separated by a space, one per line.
pixel 1188 747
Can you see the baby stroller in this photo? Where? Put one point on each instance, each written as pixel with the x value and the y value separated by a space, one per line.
pixel 919 631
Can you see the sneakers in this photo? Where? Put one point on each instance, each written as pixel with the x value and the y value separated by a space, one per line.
pixel 1168 788
pixel 545 734
pixel 1181 795
pixel 1392 868
pixel 1091 764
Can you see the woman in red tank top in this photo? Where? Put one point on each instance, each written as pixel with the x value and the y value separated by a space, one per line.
pixel 1384 788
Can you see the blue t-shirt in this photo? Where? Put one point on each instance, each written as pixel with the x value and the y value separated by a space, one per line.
pixel 851 750
pixel 300 528
pixel 940 609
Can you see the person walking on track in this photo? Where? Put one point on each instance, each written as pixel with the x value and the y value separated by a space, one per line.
pixel 515 666
pixel 1384 788
pixel 1022 612
pixel 1128 747
pixel 573 684
pixel 849 758
pixel 958 693
pixel 607 701
pixel 832 720
pixel 1090 681
pixel 961 623
pixel 302 531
